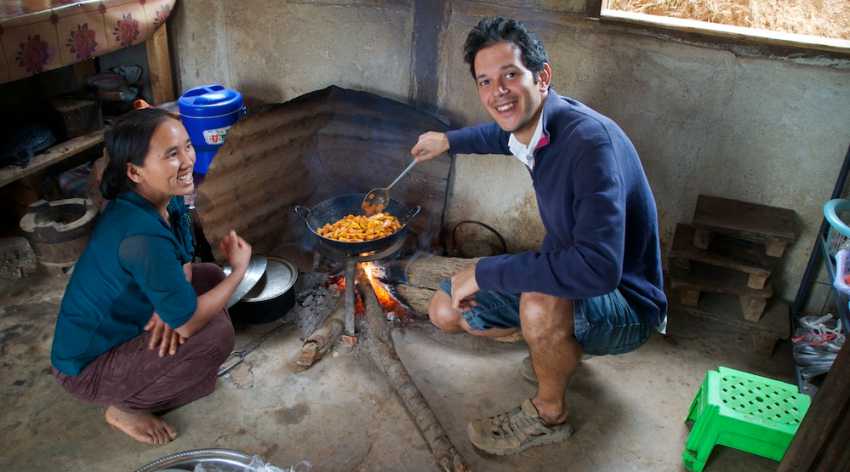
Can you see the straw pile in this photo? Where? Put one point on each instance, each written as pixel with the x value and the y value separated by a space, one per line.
pixel 827 18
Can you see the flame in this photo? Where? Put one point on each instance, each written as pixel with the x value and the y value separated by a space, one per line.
pixel 388 301
pixel 337 282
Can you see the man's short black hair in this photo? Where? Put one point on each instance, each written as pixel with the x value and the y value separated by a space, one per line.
pixel 490 31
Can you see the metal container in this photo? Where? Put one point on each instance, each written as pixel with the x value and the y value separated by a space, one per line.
pixel 219 460
pixel 272 296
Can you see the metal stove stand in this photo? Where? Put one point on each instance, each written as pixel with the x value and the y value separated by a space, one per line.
pixel 351 261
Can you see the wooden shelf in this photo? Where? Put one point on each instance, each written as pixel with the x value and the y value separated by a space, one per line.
pixel 55 154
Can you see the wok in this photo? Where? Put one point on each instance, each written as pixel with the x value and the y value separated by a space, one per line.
pixel 333 209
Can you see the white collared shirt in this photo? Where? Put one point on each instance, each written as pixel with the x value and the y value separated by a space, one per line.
pixel 524 153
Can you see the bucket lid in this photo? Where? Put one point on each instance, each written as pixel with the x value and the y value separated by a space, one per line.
pixel 209 100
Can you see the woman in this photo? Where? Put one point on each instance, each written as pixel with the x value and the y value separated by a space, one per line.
pixel 141 329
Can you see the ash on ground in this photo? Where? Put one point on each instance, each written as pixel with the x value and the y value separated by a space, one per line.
pixel 314 301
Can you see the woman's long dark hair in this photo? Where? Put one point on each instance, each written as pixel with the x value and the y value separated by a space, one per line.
pixel 127 142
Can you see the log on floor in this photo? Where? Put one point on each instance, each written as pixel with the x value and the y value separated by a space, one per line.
pixel 416 298
pixel 378 343
pixel 423 276
pixel 429 271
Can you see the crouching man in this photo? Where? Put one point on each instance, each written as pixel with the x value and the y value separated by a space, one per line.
pixel 595 285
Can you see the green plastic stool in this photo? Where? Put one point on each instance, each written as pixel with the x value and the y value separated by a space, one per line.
pixel 744 411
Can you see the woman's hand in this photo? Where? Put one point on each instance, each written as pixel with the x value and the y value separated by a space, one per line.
pixel 163 338
pixel 237 251
pixel 211 303
pixel 430 145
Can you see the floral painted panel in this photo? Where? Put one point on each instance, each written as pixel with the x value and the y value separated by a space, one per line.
pixel 29 51
pixel 39 35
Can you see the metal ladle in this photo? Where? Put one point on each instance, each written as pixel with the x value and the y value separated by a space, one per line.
pixel 377 199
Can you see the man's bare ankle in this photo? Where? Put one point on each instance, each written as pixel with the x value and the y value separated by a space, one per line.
pixel 551 414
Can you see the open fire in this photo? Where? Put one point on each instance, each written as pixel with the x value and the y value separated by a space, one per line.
pixel 393 308
pixel 338 282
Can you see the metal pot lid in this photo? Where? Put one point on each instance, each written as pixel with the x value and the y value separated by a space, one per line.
pixel 279 277
pixel 256 269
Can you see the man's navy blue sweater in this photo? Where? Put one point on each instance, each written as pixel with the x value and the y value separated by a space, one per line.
pixel 597 208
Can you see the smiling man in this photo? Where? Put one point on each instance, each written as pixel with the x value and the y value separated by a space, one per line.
pixel 595 286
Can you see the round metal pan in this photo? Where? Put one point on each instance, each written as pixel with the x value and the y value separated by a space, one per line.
pixel 224 460
pixel 334 209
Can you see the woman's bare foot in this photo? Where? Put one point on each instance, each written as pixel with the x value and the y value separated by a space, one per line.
pixel 143 427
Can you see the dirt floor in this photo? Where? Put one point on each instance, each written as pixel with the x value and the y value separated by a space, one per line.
pixel 827 18
pixel 341 415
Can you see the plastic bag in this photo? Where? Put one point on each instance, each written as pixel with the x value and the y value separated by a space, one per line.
pixel 258 465
pixel 816 344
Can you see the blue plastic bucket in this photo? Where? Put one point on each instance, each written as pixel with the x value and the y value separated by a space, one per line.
pixel 208 112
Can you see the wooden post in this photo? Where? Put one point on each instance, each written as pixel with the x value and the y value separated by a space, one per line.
pixel 159 66
pixel 595 7
pixel 821 442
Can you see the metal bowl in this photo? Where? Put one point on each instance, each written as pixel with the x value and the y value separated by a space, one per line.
pixel 219 460
pixel 256 269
